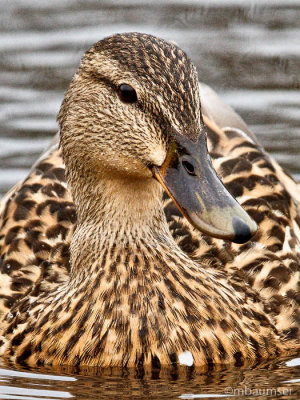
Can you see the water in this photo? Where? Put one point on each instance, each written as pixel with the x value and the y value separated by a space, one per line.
pixel 248 51
pixel 273 379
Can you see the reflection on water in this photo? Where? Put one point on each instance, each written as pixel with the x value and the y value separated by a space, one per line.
pixel 278 378
pixel 248 51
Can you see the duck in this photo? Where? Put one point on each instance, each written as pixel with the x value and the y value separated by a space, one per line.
pixel 154 230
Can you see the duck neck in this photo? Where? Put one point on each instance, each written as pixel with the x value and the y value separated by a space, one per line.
pixel 124 214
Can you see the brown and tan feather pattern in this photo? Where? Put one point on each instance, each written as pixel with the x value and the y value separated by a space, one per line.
pixel 90 273
pixel 270 263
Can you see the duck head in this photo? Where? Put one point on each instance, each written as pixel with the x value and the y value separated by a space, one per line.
pixel 133 110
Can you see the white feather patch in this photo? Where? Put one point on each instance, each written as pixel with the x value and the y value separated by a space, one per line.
pixel 186 358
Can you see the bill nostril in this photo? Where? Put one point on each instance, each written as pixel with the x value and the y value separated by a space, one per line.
pixel 242 230
pixel 189 167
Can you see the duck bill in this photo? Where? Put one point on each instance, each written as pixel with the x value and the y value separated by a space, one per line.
pixel 190 180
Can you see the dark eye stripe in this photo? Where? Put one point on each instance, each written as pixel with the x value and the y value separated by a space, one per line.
pixel 127 94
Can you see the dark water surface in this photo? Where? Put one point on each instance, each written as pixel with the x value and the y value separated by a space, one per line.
pixel 270 380
pixel 248 51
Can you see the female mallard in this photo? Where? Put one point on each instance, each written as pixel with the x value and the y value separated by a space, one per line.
pixel 101 281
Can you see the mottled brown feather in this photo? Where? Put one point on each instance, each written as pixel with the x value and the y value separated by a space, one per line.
pixel 128 302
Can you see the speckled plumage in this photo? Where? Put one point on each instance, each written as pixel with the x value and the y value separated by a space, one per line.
pixel 90 274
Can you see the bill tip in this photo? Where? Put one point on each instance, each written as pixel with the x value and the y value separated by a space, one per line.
pixel 243 231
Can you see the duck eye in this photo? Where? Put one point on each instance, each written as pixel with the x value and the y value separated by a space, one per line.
pixel 126 93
